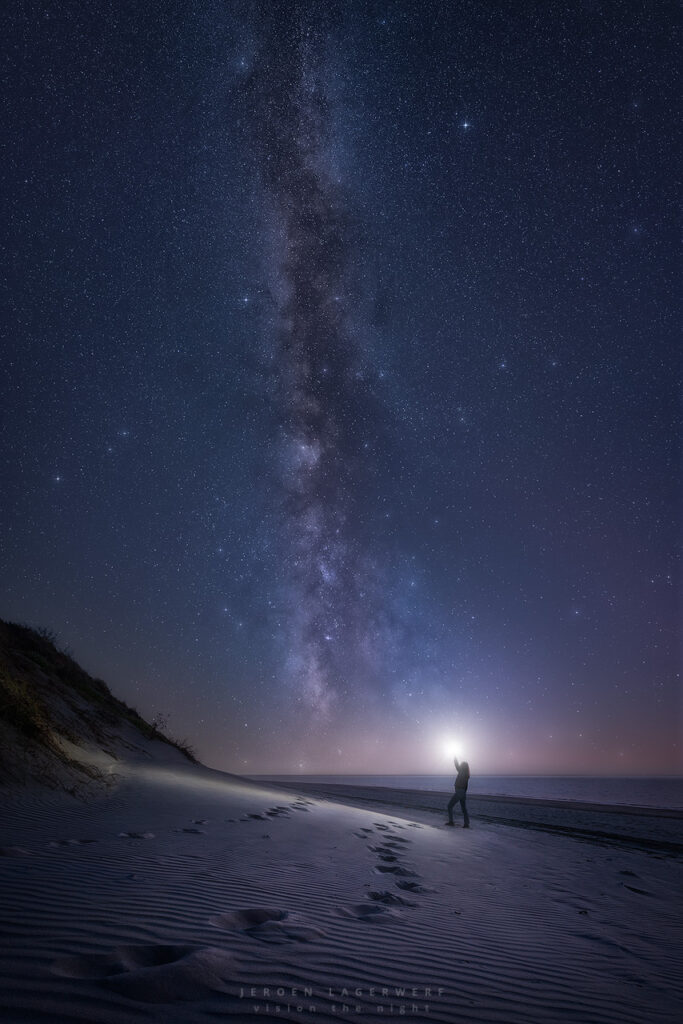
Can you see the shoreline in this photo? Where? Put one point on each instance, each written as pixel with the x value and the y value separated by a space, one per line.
pixel 647 828
pixel 367 782
pixel 560 803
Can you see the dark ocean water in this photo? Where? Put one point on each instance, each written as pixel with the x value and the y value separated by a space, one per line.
pixel 639 792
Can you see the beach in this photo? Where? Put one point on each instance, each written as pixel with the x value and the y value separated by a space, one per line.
pixel 182 894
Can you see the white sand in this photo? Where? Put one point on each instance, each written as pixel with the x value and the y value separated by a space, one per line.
pixel 165 901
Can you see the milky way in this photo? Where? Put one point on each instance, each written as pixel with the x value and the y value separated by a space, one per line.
pixel 323 389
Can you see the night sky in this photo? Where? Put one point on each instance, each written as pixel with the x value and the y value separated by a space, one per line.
pixel 339 348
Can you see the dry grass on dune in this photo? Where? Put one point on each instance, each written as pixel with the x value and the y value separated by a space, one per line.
pixel 49 705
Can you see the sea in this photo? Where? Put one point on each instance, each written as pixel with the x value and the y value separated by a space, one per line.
pixel 654 791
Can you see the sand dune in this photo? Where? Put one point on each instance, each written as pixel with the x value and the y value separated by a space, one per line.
pixel 186 895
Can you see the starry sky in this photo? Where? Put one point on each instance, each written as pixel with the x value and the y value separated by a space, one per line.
pixel 339 408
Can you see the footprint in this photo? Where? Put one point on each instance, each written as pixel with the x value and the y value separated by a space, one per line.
pixel 390 899
pixel 200 821
pixel 71 842
pixel 155 974
pixel 632 888
pixel 300 807
pixel 388 857
pixel 367 912
pixel 394 869
pixel 246 920
pixel 257 817
pixel 194 831
pixel 380 824
pixel 413 887
pixel 276 926
pixel 631 874
pixel 136 835
pixel 15 851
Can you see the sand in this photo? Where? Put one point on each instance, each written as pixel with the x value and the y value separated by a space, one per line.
pixel 186 895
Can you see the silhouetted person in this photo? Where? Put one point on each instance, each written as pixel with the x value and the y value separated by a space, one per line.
pixel 460 795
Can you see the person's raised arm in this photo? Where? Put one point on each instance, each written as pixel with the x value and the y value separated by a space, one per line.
pixel 455 762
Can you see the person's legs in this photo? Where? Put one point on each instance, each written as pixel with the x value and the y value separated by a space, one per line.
pixel 463 804
pixel 451 804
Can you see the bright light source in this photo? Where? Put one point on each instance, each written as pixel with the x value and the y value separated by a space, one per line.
pixel 452 748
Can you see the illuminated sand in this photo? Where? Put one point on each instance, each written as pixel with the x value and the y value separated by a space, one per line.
pixel 187 895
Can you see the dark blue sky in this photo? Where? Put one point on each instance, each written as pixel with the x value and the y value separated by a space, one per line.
pixel 339 413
